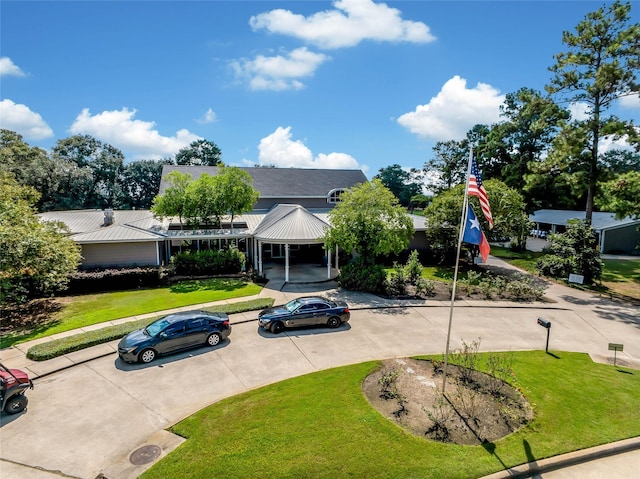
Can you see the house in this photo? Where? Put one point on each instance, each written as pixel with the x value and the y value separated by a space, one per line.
pixel 614 235
pixel 286 225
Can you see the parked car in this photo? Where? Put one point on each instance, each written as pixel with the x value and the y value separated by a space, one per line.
pixel 305 311
pixel 172 333
pixel 13 384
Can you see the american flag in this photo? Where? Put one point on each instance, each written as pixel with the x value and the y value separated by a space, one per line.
pixel 476 188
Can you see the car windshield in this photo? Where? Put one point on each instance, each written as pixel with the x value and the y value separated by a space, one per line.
pixel 154 328
pixel 292 305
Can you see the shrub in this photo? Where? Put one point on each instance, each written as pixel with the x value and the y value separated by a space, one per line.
pixel 209 262
pixel 115 279
pixel 413 267
pixel 521 288
pixel 554 266
pixel 425 287
pixel 397 283
pixel 361 276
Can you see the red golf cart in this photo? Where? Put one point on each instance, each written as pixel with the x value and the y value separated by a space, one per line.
pixel 13 384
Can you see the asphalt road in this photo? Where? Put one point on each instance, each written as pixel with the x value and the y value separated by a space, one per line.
pixel 89 419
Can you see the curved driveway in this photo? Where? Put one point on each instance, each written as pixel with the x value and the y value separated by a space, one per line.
pixel 89 419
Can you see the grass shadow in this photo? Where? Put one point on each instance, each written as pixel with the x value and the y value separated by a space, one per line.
pixel 25 321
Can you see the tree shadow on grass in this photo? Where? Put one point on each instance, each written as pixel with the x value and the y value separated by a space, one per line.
pixel 25 321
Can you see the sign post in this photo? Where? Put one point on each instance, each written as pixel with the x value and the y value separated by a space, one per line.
pixel 545 324
pixel 615 348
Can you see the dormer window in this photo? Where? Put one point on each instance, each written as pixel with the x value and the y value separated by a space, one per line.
pixel 334 195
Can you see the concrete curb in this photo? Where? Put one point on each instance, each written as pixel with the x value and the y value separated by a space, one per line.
pixel 566 460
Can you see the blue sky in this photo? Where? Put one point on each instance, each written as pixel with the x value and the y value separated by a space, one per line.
pixel 344 84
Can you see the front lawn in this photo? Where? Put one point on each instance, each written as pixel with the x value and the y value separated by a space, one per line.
pixel 321 426
pixel 80 311
pixel 622 276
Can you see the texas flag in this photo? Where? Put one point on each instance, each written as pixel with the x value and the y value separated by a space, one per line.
pixel 473 234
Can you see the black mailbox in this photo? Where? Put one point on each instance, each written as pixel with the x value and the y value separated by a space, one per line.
pixel 544 323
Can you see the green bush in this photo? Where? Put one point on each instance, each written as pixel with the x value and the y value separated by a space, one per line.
pixel 115 279
pixel 397 283
pixel 360 276
pixel 413 267
pixel 209 262
pixel 58 347
pixel 522 288
pixel 554 266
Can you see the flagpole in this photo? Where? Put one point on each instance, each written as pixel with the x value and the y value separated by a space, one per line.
pixel 463 221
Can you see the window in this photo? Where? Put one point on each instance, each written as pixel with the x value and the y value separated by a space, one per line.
pixel 334 195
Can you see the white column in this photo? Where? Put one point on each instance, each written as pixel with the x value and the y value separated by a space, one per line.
pixel 260 257
pixel 254 253
pixel 286 263
pixel 328 253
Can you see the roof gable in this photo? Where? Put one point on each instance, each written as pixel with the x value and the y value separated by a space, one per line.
pixel 290 224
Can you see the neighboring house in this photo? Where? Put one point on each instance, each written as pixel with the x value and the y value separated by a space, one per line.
pixel 287 223
pixel 614 236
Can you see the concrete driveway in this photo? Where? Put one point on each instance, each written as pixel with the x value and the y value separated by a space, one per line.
pixel 90 419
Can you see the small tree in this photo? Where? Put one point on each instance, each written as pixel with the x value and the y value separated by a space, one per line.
pixel 370 222
pixel 173 201
pixel 573 252
pixel 236 187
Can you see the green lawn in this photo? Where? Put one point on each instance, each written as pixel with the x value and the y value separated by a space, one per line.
pixel 81 311
pixel 622 276
pixel 321 426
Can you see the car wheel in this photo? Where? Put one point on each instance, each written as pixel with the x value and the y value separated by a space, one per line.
pixel 147 356
pixel 277 327
pixel 213 339
pixel 16 404
pixel 334 322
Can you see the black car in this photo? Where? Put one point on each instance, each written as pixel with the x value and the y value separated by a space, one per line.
pixel 174 332
pixel 305 311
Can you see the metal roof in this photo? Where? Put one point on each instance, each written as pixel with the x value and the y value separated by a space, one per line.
pixel 291 224
pixel 117 234
pixel 599 221
pixel 282 182
pixel 83 221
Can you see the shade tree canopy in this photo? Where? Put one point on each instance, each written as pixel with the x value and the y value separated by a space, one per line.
pixel 36 258
pixel 369 221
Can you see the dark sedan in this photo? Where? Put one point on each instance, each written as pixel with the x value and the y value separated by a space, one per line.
pixel 172 333
pixel 305 311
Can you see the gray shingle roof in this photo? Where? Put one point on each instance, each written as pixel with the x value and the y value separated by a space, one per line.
pixel 600 220
pixel 283 182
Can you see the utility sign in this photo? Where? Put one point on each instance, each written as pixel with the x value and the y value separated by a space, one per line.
pixel 615 348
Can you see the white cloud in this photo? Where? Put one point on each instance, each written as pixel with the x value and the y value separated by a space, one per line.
pixel 579 111
pixel 280 150
pixel 454 111
pixel 349 23
pixel 279 72
pixel 120 129
pixel 8 68
pixel 22 120
pixel 608 143
pixel 208 117
pixel 631 102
